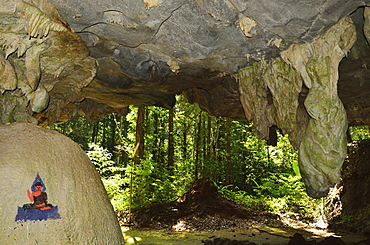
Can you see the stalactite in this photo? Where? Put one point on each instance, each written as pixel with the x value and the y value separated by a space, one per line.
pixel 319 130
pixel 253 96
pixel 37 47
pixel 367 23
pixel 323 148
pixel 285 84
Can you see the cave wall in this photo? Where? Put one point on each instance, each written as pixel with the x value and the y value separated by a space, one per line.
pixel 354 85
pixel 355 196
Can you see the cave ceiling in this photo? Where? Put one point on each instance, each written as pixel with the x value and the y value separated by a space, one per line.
pixel 133 42
pixel 300 66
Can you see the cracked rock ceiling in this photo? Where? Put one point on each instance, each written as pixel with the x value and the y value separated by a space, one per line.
pixel 298 65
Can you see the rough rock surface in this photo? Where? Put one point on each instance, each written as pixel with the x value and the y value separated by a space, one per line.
pixel 325 135
pixel 267 62
pixel 355 196
pixel 44 64
pixel 133 45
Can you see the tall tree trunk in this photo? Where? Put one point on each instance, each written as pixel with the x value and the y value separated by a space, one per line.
pixel 203 133
pixel 228 151
pixel 124 131
pixel 104 136
pixel 64 128
pixel 112 140
pixel 197 147
pixel 208 154
pixel 95 132
pixel 155 150
pixel 138 154
pixel 121 126
pixel 171 148
pixel 162 149
pixel 139 145
pixel 185 142
pixel 218 137
pixel 220 147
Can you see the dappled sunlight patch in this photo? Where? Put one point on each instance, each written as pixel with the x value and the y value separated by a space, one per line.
pixel 130 238
pixel 165 237
pixel 288 232
pixel 180 226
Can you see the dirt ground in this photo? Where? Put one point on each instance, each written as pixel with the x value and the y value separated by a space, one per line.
pixel 203 216
pixel 258 235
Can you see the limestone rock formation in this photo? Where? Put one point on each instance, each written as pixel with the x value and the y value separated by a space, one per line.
pixel 78 210
pixel 269 62
pixel 324 145
pixel 356 189
pixel 44 64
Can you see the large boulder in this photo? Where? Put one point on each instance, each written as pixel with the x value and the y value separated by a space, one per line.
pixel 78 209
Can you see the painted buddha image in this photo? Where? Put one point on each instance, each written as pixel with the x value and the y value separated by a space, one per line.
pixel 39 209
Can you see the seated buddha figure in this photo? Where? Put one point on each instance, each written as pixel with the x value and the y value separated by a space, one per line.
pixel 39 199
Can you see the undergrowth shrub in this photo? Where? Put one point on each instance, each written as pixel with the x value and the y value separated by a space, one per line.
pixel 282 194
pixel 111 175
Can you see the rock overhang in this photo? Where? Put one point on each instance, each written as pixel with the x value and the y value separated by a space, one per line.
pixel 204 37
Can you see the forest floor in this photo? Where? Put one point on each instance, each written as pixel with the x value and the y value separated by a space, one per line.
pixel 203 216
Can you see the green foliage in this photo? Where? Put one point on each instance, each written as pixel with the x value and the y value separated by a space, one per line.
pixel 281 194
pixel 284 156
pixel 360 132
pixel 272 178
pixel 151 184
pixel 77 129
pixel 111 175
pixel 114 185
pixel 286 194
pixel 241 197
pixel 101 158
